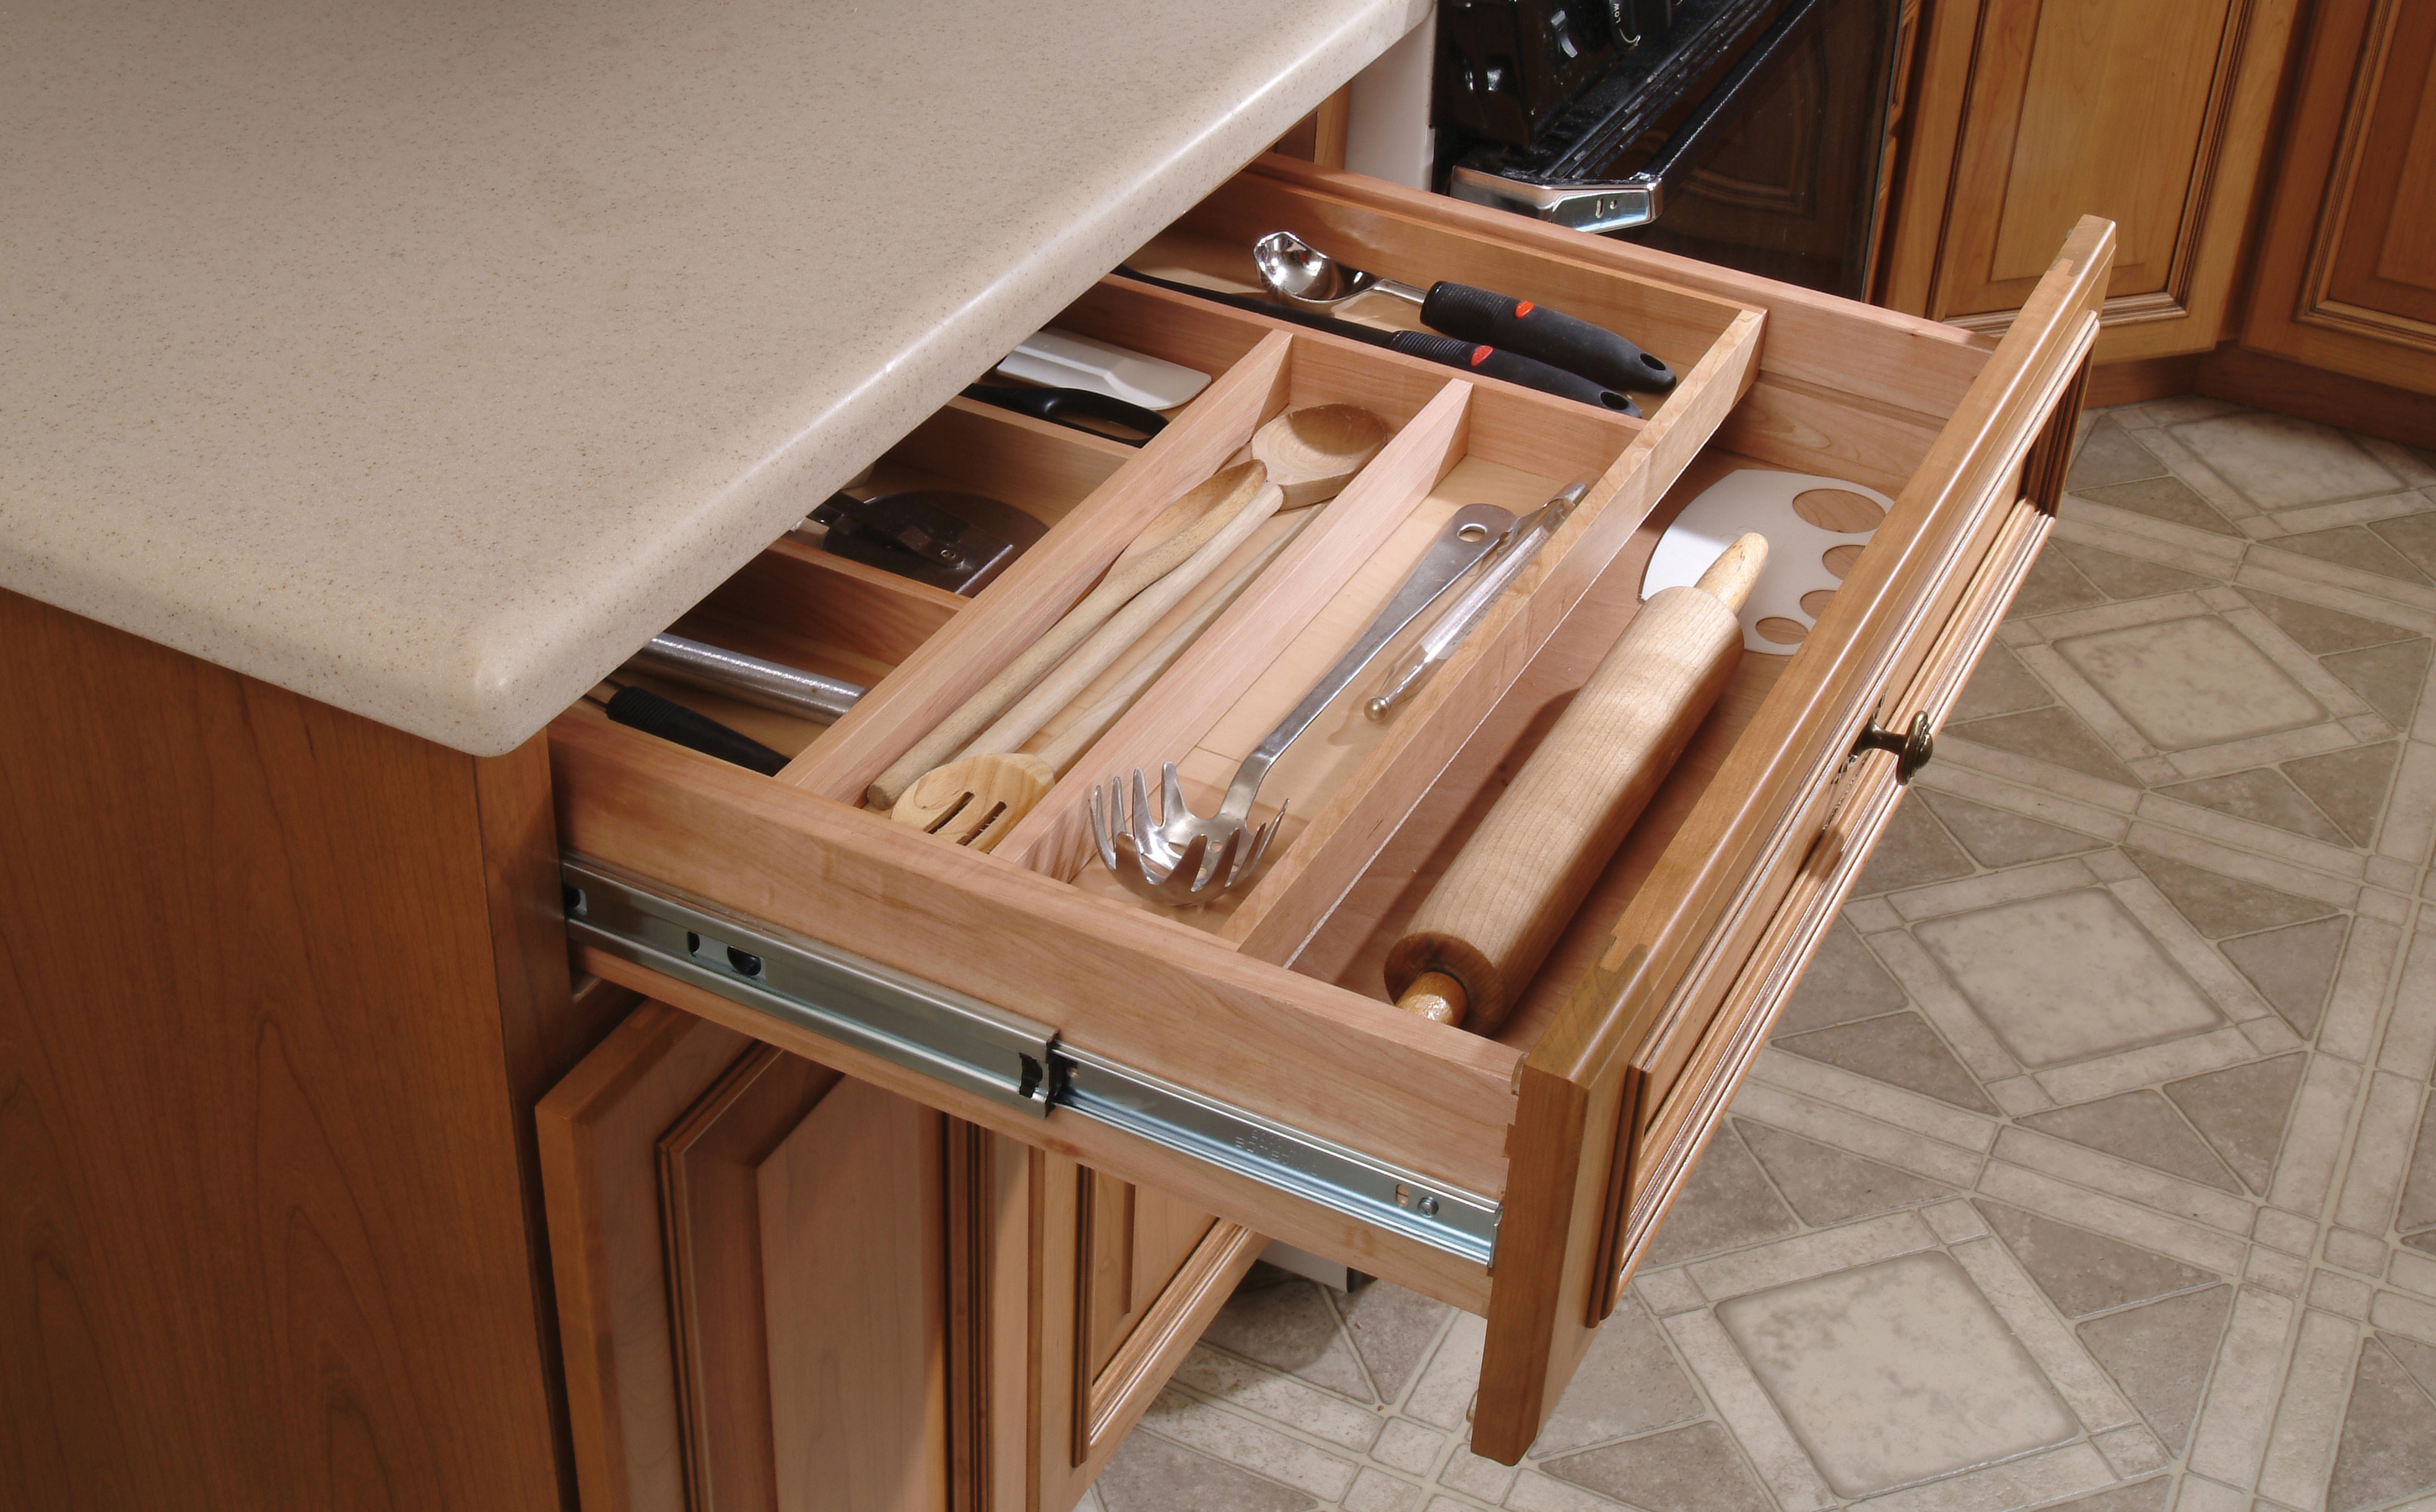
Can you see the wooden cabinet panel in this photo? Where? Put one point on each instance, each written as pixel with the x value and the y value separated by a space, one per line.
pixel 753 1271
pixel 2154 113
pixel 710 1203
pixel 854 1297
pixel 2347 269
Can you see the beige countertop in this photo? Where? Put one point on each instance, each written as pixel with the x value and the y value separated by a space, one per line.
pixel 427 360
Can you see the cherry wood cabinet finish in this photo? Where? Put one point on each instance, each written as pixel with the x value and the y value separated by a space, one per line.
pixel 276 985
pixel 2346 274
pixel 2029 114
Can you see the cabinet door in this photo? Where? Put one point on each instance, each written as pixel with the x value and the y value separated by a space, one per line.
pixel 2347 268
pixel 2152 114
pixel 1125 1280
pixel 754 1270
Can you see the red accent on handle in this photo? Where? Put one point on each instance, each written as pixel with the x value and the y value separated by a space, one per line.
pixel 1521 309
pixel 1481 354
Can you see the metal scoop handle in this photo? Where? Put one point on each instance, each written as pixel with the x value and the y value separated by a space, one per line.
pixel 1468 535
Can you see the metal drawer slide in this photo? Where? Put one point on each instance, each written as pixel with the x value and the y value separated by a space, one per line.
pixel 1014 1061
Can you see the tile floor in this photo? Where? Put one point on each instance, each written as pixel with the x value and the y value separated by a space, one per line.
pixel 2093 1166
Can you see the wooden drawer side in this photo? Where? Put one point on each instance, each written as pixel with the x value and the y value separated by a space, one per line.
pixel 1636 1016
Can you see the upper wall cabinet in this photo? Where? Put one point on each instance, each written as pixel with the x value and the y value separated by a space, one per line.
pixel 2347 264
pixel 2032 113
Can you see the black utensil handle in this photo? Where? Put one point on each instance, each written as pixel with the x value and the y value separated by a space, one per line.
pixel 1552 337
pixel 639 708
pixel 1473 357
pixel 1057 405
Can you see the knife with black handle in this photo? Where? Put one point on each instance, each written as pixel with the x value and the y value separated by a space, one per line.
pixel 1471 357
pixel 1552 337
pixel 1067 407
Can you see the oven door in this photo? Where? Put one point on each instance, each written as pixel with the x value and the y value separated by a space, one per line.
pixel 1754 135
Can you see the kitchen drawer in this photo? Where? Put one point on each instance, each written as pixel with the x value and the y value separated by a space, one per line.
pixel 1245 1059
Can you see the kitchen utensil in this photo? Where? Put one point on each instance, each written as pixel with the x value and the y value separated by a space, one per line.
pixel 1061 360
pixel 1300 273
pixel 748 679
pixel 1513 552
pixel 1071 407
pixel 639 708
pixel 1314 452
pixel 1183 860
pixel 1488 924
pixel 1480 358
pixel 959 542
pixel 977 799
pixel 1754 500
pixel 1233 487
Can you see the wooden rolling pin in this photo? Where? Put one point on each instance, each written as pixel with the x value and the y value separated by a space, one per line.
pixel 1488 924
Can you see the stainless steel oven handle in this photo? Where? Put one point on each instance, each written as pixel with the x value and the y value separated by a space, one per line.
pixel 1641 198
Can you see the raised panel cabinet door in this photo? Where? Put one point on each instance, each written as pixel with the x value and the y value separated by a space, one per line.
pixel 2152 114
pixel 2347 269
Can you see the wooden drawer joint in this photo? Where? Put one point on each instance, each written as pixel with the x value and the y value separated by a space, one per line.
pixel 1013 1060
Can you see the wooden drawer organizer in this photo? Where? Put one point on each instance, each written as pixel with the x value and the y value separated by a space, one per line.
pixel 1576 1123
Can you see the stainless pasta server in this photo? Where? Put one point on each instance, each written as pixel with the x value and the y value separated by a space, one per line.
pixel 1182 860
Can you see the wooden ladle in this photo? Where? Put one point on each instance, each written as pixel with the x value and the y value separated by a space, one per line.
pixel 1314 452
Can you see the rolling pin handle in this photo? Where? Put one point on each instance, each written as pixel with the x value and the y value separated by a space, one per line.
pixel 1435 997
pixel 1731 578
pixel 1912 749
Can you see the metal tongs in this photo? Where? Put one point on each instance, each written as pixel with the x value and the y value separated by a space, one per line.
pixel 1182 860
pixel 1506 562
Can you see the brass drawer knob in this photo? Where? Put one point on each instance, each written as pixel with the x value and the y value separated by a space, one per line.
pixel 1912 749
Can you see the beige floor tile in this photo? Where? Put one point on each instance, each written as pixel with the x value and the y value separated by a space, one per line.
pixel 2354 1013
pixel 1844 981
pixel 2312 588
pixel 1955 1221
pixel 2030 803
pixel 2161 1353
pixel 2410 1047
pixel 1405 1444
pixel 1999 685
pixel 2277 1271
pixel 2060 1357
pixel 1149 1474
pixel 2286 746
pixel 2039 1194
pixel 2381 1150
pixel 2411 807
pixel 2294 1236
pixel 1895 1372
pixel 1839 1087
pixel 2407 1315
pixel 2205 808
pixel 2162 505
pixel 1748 1413
pixel 2412 1272
pixel 1963 1030
pixel 1279 1399
pixel 2128 1179
pixel 2241 1112
pixel 1442 1397
pixel 1762 1102
pixel 1628 1384
pixel 1249 1445
pixel 2026 966
pixel 2124 733
pixel 1375 1490
pixel 1995 887
pixel 2131 1451
pixel 2231 1432
pixel 2344 1296
pixel 2034 754
pixel 2292 967
pixel 1484 1479
pixel 2351 512
pixel 1695 1468
pixel 2109 455
pixel 1287 1323
pixel 1826 1184
pixel 2223 892
pixel 2358 547
pixel 1898 1048
pixel 1667 1292
pixel 2106 1075
pixel 1804 1256
pixel 2364 1253
pixel 2300 1453
pixel 2231 992
pixel 2111 619
pixel 2075 1467
pixel 2084 1272
pixel 1997 838
pixel 2304 1173
pixel 2142 1127
pixel 2388 1447
pixel 1535 1492
pixel 1727 1204
pixel 2368 587
pixel 2280 462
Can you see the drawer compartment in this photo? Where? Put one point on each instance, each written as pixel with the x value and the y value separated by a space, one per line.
pixel 1259 1072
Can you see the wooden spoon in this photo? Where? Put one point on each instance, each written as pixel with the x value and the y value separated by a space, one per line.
pixel 1232 487
pixel 1312 453
pixel 978 798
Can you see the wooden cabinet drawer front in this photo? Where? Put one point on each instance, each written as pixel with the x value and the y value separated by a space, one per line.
pixel 1568 1128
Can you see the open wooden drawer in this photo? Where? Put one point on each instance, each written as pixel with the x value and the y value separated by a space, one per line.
pixel 1247 1059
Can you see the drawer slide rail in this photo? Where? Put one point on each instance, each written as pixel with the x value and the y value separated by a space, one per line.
pixel 1014 1061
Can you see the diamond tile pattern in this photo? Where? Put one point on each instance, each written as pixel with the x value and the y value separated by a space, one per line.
pixel 2092 1167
